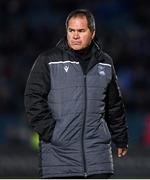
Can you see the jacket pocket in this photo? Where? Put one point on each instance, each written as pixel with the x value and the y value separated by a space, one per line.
pixel 104 132
pixel 63 138
pixel 58 141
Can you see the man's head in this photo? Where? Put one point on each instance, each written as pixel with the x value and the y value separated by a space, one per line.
pixel 80 26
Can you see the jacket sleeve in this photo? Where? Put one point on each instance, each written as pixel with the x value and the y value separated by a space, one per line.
pixel 35 99
pixel 115 112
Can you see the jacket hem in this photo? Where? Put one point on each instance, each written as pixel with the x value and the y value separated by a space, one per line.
pixel 62 175
pixel 100 172
pixel 76 174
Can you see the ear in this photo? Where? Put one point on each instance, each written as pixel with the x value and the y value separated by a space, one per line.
pixel 93 34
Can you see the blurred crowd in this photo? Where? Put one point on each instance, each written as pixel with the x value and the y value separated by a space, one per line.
pixel 29 27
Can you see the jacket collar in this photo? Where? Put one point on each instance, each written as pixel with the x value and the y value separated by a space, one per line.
pixel 96 57
pixel 63 45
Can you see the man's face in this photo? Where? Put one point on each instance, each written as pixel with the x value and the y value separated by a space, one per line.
pixel 79 35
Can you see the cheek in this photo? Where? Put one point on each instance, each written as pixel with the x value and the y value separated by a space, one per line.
pixel 86 40
pixel 68 38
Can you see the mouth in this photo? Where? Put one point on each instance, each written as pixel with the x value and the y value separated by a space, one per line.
pixel 75 43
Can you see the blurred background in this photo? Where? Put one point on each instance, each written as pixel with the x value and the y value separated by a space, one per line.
pixel 28 28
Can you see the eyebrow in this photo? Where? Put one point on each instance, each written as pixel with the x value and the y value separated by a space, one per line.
pixel 76 29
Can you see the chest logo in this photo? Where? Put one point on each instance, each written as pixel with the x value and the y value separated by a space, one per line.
pixel 101 70
pixel 66 68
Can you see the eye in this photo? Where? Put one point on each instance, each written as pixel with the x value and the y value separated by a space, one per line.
pixel 82 30
pixel 70 30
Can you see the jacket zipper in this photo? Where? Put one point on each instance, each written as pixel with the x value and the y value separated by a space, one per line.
pixel 83 128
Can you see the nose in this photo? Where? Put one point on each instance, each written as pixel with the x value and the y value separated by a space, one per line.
pixel 76 35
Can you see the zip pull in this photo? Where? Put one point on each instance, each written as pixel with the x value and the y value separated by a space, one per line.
pixel 85 174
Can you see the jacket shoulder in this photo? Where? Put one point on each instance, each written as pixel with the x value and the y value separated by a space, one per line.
pixel 53 54
pixel 107 58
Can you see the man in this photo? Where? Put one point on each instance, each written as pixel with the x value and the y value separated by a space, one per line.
pixel 73 101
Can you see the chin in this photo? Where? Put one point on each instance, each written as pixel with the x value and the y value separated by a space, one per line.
pixel 77 48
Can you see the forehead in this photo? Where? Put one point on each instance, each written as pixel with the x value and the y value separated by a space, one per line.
pixel 78 22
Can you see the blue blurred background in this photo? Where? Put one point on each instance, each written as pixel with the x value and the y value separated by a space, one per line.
pixel 28 28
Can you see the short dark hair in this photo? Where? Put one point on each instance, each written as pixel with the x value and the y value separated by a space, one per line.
pixel 82 12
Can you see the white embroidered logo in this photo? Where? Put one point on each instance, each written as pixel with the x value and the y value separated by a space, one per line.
pixel 102 73
pixel 66 68
pixel 101 70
